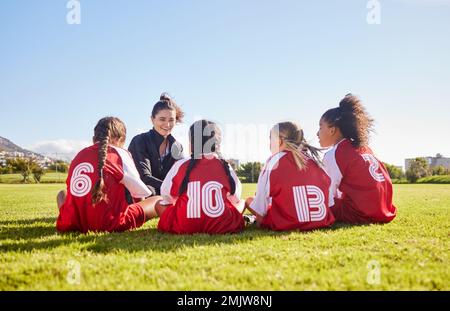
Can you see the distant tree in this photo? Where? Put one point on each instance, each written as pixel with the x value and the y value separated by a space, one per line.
pixel 418 168
pixel 394 171
pixel 59 166
pixel 8 169
pixel 249 172
pixel 439 170
pixel 23 166
pixel 3 170
pixel 38 172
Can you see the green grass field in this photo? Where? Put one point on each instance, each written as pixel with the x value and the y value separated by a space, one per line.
pixel 53 178
pixel 412 251
pixel 48 178
pixel 444 179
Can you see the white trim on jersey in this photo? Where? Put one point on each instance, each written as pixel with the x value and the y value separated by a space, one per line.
pixel 131 179
pixel 262 199
pixel 166 186
pixel 236 197
pixel 332 169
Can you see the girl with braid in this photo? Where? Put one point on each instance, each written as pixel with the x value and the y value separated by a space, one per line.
pixel 201 193
pixel 361 184
pixel 293 191
pixel 98 176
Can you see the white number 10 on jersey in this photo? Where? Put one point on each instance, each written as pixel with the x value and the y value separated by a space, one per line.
pixel 205 194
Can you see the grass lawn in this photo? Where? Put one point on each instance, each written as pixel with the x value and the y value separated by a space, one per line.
pixel 47 178
pixel 412 251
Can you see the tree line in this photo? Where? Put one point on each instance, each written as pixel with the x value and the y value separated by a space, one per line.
pixel 419 168
pixel 247 172
pixel 29 168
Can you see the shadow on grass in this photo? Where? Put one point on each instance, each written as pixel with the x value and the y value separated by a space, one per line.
pixel 21 222
pixel 27 228
pixel 146 239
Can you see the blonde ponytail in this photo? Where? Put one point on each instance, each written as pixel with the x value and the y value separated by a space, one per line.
pixel 294 140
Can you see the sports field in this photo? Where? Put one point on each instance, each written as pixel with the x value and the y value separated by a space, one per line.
pixel 411 253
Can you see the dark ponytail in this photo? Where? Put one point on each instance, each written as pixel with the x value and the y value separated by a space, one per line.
pixel 352 120
pixel 207 135
pixel 226 167
pixel 183 187
pixel 106 130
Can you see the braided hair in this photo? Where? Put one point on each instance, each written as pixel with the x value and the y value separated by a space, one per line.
pixel 352 119
pixel 294 139
pixel 205 137
pixel 108 129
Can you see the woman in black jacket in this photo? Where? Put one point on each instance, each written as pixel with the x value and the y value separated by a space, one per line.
pixel 155 151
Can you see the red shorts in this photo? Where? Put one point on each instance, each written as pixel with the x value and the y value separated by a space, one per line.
pixel 346 214
pixel 132 218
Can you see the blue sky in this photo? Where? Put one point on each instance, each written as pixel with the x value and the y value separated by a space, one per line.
pixel 234 61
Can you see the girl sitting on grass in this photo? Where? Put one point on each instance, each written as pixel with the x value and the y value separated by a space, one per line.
pixel 361 185
pixel 202 193
pixel 98 176
pixel 293 191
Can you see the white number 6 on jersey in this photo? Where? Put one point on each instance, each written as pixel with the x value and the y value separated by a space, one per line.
pixel 81 184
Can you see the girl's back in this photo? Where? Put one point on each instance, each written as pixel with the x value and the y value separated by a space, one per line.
pixel 361 184
pixel 205 206
pixel 295 199
pixel 78 213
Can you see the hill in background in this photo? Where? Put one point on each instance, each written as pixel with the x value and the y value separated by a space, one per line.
pixel 10 149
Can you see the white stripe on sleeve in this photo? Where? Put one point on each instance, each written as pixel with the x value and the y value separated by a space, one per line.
pixel 332 169
pixel 262 199
pixel 236 197
pixel 166 186
pixel 131 179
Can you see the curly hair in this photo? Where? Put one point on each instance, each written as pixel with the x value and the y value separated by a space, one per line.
pixel 352 119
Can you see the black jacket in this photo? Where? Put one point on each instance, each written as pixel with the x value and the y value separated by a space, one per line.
pixel 145 151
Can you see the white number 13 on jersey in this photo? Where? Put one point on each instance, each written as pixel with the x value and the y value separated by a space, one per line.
pixel 309 203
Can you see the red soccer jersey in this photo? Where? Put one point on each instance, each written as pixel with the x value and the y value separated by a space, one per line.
pixel 289 198
pixel 206 206
pixel 361 185
pixel 79 214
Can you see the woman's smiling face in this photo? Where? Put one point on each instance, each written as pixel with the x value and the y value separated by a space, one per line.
pixel 164 121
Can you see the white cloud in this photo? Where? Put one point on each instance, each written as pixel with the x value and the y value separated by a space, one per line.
pixel 60 148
